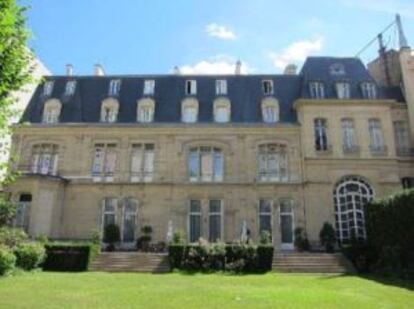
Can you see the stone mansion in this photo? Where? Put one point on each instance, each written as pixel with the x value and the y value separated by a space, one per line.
pixel 208 153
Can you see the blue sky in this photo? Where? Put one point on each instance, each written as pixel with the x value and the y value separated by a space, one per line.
pixel 152 36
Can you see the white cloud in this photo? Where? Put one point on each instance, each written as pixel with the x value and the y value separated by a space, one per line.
pixel 215 65
pixel 386 6
pixel 297 51
pixel 221 32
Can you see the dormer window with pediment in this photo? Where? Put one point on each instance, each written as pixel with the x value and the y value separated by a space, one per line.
pixel 189 110
pixel 51 111
pixel 146 108
pixel 222 110
pixel 270 110
pixel 109 110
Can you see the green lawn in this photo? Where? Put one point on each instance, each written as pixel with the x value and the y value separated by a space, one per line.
pixel 103 290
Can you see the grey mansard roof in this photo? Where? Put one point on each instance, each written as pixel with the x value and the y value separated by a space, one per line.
pixel 244 93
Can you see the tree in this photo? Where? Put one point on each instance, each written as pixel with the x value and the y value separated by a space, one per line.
pixel 7 211
pixel 15 64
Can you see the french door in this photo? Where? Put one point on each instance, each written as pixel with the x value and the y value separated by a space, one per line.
pixel 286 225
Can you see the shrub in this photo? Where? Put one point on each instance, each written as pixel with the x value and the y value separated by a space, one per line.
pixel 43 239
pixel 96 237
pixel 265 238
pixel 147 229
pixel 327 237
pixel 178 238
pixel 111 236
pixel 29 255
pixel 301 240
pixel 241 257
pixel 176 255
pixel 11 237
pixel 7 211
pixel 7 260
pixel 67 257
pixel 264 257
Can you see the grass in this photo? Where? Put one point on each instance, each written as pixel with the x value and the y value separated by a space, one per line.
pixel 128 290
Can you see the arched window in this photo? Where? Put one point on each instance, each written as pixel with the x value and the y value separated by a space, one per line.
pixel 222 110
pixel 189 110
pixel 351 195
pixel 44 159
pixel 145 111
pixel 109 110
pixel 273 164
pixel 51 111
pixel 270 110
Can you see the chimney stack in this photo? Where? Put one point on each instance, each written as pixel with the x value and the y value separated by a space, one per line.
pixel 176 70
pixel 290 69
pixel 238 67
pixel 69 69
pixel 98 70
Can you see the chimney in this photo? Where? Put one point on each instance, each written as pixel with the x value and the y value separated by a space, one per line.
pixel 98 70
pixel 238 67
pixel 176 70
pixel 69 69
pixel 290 69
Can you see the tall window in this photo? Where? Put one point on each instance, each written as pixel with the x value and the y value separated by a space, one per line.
pixel 51 111
pixel 317 90
pixel 270 110
pixel 215 219
pixel 267 86
pixel 146 110
pixel 265 216
pixel 189 111
pixel 402 139
pixel 104 162
pixel 190 87
pixel 109 111
pixel 195 220
pixel 48 88
pixel 222 110
pixel 350 196
pixel 109 209
pixel 129 221
pixel 369 90
pixel 205 164
pixel 349 140
pixel 45 159
pixel 70 87
pixel 21 219
pixel 149 87
pixel 377 143
pixel 407 182
pixel 142 162
pixel 343 90
pixel 321 137
pixel 114 87
pixel 273 162
pixel 221 87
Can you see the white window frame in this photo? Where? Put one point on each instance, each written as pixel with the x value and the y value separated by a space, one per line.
pixel 195 213
pixel 273 162
pixel 221 87
pixel 321 134
pixel 376 135
pixel 369 90
pixel 104 212
pixel 205 155
pixel 149 87
pixel 270 110
pixel 317 90
pixel 145 171
pixel 190 87
pixel 126 212
pixel 186 115
pixel 48 88
pixel 222 107
pixel 70 87
pixel 22 216
pixel 114 87
pixel 267 87
pixel 349 136
pixel 221 221
pixel 45 159
pixel 51 111
pixel 343 90
pixel 291 212
pixel 101 170
pixel 109 111
pixel 267 214
pixel 402 138
pixel 146 110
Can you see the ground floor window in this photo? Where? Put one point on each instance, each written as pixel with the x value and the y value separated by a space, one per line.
pixel 21 219
pixel 129 223
pixel 195 220
pixel 286 224
pixel 109 212
pixel 210 212
pixel 214 220
pixel 265 216
pixel 351 195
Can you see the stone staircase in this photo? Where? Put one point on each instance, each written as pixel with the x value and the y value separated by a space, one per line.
pixel 307 262
pixel 131 262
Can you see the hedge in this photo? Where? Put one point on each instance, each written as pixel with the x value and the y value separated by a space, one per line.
pixel 68 257
pixel 218 256
pixel 390 236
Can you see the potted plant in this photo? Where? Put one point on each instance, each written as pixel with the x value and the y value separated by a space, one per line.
pixel 144 241
pixel 111 236
pixel 301 240
pixel 327 237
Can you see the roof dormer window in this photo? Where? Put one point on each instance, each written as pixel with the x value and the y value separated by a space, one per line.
pixel 189 110
pixel 369 90
pixel 337 69
pixel 109 110
pixel 149 86
pixel 70 87
pixel 51 111
pixel 343 90
pixel 316 90
pixel 48 88
pixel 114 87
pixel 221 87
pixel 190 87
pixel 267 86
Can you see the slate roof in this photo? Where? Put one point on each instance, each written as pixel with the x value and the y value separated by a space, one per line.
pixel 244 93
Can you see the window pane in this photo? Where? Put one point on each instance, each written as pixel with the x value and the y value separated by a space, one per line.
pixel 195 206
pixel 206 166
pixel 136 160
pixel 265 223
pixel 148 165
pixel 110 162
pixel 218 166
pixel 195 227
pixel 214 228
pixel 193 165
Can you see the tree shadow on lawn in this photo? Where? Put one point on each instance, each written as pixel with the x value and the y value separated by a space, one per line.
pixel 386 280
